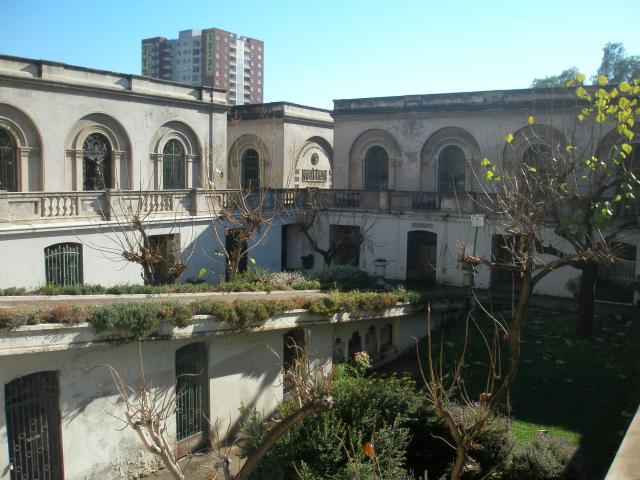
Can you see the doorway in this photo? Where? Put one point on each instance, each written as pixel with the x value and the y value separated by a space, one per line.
pixel 422 253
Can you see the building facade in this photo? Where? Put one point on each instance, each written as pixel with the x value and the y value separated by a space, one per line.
pixel 211 57
pixel 80 149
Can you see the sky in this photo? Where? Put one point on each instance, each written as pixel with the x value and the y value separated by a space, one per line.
pixel 318 51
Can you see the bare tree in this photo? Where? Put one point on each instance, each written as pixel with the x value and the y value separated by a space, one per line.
pixel 446 392
pixel 147 410
pixel 243 214
pixel 347 231
pixel 131 216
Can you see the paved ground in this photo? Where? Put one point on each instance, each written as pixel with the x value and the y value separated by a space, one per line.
pixel 202 466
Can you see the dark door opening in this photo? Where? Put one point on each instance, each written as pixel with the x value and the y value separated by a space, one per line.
pixel 422 253
pixel 192 398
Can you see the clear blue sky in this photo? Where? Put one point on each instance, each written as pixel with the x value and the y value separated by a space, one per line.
pixel 327 49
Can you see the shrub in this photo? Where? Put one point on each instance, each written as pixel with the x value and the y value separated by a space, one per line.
pixel 342 277
pixel 544 457
pixel 13 317
pixel 175 313
pixel 59 313
pixel 325 446
pixel 11 291
pixel 138 318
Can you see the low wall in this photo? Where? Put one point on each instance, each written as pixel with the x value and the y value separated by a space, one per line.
pixel 626 464
pixel 242 369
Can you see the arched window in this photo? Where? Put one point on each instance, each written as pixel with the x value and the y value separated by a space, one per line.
pixel 63 264
pixel 376 169
pixel 173 165
pixel 8 163
pixel 537 156
pixel 451 164
pixel 96 162
pixel 250 169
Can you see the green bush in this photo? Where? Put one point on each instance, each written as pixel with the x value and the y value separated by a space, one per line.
pixel 138 318
pixel 544 457
pixel 175 313
pixel 374 410
pixel 342 277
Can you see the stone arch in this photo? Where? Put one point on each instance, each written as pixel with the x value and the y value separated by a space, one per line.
pixel 362 144
pixel 434 147
pixel 613 139
pixel 550 138
pixel 186 136
pixel 314 164
pixel 121 154
pixel 28 141
pixel 234 159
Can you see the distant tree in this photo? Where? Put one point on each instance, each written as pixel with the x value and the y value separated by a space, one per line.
pixel 616 65
pixel 556 81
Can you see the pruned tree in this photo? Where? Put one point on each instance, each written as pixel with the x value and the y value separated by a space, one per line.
pixel 243 214
pixel 346 231
pixel 146 409
pixel 446 392
pixel 128 233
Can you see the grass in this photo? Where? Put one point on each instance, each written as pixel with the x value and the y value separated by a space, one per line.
pixel 584 390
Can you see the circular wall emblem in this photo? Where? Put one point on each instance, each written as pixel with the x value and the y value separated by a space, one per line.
pixel 315 159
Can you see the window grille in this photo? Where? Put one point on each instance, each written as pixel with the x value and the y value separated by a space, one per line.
pixel 8 163
pixel 96 162
pixel 63 264
pixel 173 165
pixel 192 392
pixel 250 170
pixel 33 427
pixel 451 163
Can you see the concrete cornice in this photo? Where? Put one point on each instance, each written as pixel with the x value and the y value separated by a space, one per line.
pixel 57 337
pixel 463 101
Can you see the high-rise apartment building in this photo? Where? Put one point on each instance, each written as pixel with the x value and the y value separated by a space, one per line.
pixel 211 57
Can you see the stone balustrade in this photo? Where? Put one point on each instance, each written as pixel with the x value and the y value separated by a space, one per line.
pixel 44 207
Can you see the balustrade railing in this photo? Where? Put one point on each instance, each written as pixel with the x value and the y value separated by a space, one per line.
pixel 22 207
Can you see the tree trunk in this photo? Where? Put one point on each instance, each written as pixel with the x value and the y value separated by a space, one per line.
pixel 584 322
pixel 458 466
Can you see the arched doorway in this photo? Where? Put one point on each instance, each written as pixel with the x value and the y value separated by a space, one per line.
pixel 422 252
pixel 96 162
pixel 173 165
pixel 376 169
pixel 8 163
pixel 250 170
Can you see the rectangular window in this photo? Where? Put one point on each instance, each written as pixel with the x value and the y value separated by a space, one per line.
pixel 345 240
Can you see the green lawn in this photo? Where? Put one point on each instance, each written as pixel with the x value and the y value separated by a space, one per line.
pixel 585 390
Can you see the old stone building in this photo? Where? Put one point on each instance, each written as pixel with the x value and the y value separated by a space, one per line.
pixel 80 150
